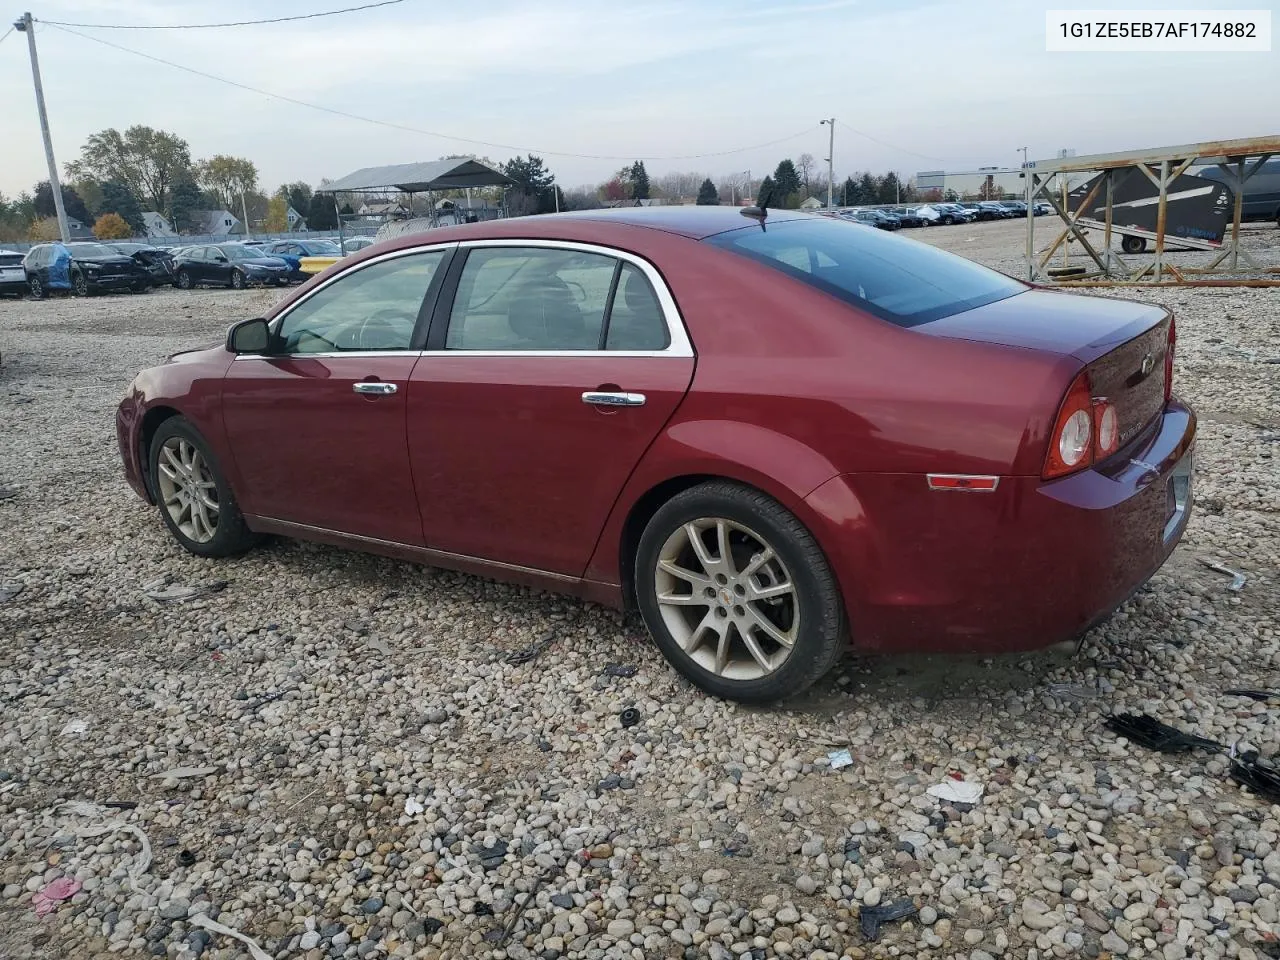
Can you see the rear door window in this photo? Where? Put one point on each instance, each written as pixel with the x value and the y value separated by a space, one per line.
pixel 903 281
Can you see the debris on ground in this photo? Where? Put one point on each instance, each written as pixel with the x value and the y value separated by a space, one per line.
pixel 620 670
pixel 871 919
pixel 1238 579
pixel 1261 696
pixel 413 806
pixel 1151 733
pixel 255 951
pixel 1257 773
pixel 629 717
pixel 181 594
pixel 81 808
pixel 46 899
pixel 532 651
pixel 840 758
pixel 956 791
pixel 1070 691
pixel 9 589
pixel 75 727
pixel 186 858
pixel 7 493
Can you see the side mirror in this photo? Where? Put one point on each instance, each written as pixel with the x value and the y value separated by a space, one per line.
pixel 249 336
pixel 221 259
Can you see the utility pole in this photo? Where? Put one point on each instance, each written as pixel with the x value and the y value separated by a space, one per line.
pixel 831 152
pixel 244 212
pixel 1024 156
pixel 26 25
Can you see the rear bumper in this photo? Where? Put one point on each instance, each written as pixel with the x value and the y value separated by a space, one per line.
pixel 1029 565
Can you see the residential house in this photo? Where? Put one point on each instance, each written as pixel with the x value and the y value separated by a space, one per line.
pixel 383 209
pixel 78 230
pixel 295 220
pixel 157 227
pixel 465 210
pixel 217 223
pixel 811 203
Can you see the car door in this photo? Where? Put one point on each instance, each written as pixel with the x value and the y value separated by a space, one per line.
pixel 194 262
pixel 217 265
pixel 550 369
pixel 317 425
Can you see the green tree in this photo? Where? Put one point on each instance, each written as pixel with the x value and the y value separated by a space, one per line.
pixel 146 160
pixel 71 201
pixel 868 188
pixel 531 191
pixel 786 183
pixel 184 201
pixel 639 180
pixel 950 196
pixel 768 195
pixel 708 195
pixel 296 195
pixel 321 213
pixel 890 188
pixel 227 178
pixel 849 192
pixel 119 199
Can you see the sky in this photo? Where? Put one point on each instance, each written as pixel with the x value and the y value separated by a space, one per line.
pixel 913 85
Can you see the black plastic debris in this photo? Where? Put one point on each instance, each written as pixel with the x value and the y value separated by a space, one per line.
pixel 483 910
pixel 871 919
pixel 1154 735
pixel 620 670
pixel 1260 696
pixel 186 858
pixel 629 717
pixel 432 925
pixel 1256 773
pixel 532 651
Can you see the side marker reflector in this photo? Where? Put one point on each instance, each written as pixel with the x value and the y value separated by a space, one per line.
pixel 964 482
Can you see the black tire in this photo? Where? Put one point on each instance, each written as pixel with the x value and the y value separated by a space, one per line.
pixel 141 288
pixel 238 281
pixel 184 280
pixel 948 220
pixel 1133 244
pixel 36 286
pixel 822 634
pixel 79 284
pixel 231 536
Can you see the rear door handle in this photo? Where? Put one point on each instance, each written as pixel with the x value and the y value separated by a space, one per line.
pixel 376 387
pixel 598 398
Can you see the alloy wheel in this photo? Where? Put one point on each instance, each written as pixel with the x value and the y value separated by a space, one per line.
pixel 727 598
pixel 184 280
pixel 37 288
pixel 237 280
pixel 81 285
pixel 187 489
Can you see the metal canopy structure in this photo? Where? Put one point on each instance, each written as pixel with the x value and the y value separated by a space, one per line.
pixel 456 174
pixel 1046 180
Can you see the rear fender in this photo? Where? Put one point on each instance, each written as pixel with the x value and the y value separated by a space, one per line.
pixel 775 464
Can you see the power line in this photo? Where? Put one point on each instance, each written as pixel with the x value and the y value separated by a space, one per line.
pixel 404 127
pixel 6 34
pixel 891 146
pixel 211 26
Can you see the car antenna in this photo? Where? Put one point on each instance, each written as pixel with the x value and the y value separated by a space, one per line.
pixel 761 210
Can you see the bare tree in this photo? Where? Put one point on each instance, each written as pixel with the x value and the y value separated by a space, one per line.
pixel 805 164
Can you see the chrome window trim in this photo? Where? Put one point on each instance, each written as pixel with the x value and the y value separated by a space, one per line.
pixel 680 345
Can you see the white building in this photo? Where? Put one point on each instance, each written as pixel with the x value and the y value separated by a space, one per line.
pixel 157 226
pixel 982 183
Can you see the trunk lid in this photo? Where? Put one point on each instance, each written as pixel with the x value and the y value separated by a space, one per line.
pixel 1121 343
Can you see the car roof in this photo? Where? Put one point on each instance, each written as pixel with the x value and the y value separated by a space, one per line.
pixel 687 221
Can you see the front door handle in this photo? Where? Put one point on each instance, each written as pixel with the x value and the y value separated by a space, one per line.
pixel 600 398
pixel 375 388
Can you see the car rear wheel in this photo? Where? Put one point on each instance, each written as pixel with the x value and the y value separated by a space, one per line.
pixel 184 280
pixel 36 288
pixel 80 284
pixel 195 500
pixel 1133 244
pixel 237 280
pixel 737 594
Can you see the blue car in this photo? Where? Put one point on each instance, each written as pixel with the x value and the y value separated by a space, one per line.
pixel 292 252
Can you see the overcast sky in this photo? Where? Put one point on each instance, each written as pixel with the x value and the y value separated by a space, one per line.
pixel 939 85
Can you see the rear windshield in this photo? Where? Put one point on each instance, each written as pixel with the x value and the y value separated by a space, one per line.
pixel 903 281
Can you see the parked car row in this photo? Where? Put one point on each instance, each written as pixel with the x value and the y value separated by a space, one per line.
pixel 933 214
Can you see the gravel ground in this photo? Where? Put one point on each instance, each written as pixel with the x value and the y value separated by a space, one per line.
pixel 332 756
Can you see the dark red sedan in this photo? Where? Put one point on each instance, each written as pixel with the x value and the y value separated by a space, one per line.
pixel 774 436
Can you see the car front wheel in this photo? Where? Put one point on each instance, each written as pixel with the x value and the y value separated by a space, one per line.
pixel 237 280
pixel 195 500
pixel 80 284
pixel 737 594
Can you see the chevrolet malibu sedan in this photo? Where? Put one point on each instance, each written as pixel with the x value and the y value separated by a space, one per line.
pixel 775 436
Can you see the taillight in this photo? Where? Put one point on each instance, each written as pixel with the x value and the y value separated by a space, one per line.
pixel 1087 430
pixel 1071 442
pixel 1168 360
